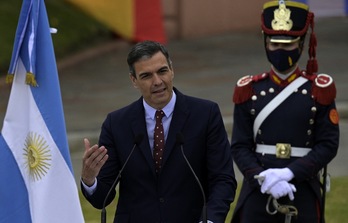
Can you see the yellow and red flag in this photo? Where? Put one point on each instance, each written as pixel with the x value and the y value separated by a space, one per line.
pixel 134 20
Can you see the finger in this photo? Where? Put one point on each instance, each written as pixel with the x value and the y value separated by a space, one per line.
pixel 259 178
pixel 100 156
pixel 267 185
pixel 293 188
pixel 263 174
pixel 88 150
pixel 87 144
pixel 104 159
pixel 291 195
pixel 91 153
pixel 94 155
pixel 100 164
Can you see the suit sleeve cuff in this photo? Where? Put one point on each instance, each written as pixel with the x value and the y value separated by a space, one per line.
pixel 89 190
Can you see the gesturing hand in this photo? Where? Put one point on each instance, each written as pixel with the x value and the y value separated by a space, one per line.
pixel 93 159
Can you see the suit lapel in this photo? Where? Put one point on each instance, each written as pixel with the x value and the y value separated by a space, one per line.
pixel 180 115
pixel 139 127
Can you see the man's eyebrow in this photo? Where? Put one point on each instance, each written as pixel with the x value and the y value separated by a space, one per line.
pixel 164 67
pixel 144 74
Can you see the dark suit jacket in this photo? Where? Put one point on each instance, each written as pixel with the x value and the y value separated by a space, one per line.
pixel 173 195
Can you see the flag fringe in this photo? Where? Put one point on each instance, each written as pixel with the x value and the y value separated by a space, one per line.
pixel 30 79
pixel 9 78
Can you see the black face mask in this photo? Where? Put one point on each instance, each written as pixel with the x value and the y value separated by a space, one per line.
pixel 282 60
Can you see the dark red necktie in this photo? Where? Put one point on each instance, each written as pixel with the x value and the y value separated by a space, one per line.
pixel 158 145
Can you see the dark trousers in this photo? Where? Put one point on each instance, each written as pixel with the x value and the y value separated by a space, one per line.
pixel 307 204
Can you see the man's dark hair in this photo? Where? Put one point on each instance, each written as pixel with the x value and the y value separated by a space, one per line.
pixel 145 49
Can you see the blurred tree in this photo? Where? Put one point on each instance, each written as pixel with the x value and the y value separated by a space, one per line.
pixel 76 30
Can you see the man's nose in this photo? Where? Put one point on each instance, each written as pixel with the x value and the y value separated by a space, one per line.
pixel 157 79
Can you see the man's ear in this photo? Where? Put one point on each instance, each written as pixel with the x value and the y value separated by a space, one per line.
pixel 133 80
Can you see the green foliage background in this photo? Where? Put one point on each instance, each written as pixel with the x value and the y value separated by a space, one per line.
pixel 76 30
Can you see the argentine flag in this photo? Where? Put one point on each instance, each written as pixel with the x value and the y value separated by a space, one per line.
pixel 37 183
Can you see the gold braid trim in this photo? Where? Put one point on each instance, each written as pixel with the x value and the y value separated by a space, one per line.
pixel 30 79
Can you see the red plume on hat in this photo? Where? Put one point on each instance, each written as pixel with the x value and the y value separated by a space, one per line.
pixel 312 64
pixel 287 21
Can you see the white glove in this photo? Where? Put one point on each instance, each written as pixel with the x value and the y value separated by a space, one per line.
pixel 281 189
pixel 274 175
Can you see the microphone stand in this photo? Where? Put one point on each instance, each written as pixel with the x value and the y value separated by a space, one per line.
pixel 204 209
pixel 137 140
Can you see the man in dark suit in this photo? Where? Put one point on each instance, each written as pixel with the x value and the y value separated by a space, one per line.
pixel 159 186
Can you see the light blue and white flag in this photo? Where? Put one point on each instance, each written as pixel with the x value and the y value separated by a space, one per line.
pixel 37 183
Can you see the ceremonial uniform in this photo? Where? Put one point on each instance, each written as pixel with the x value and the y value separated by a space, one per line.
pixel 284 123
pixel 305 121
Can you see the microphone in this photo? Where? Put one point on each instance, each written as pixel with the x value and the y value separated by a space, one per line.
pixel 137 141
pixel 180 140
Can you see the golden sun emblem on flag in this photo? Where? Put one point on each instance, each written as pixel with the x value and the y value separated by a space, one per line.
pixel 37 156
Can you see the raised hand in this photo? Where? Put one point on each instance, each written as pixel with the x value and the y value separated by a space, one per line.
pixel 93 159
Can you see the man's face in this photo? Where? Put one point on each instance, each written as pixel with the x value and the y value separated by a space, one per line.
pixel 154 79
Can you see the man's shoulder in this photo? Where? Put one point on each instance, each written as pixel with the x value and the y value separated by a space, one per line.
pixel 201 104
pixel 127 110
pixel 189 99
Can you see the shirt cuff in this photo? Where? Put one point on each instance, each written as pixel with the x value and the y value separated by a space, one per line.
pixel 89 189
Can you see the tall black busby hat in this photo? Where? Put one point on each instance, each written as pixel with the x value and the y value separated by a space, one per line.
pixel 287 22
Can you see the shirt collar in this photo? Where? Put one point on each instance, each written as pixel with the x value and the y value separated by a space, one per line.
pixel 168 109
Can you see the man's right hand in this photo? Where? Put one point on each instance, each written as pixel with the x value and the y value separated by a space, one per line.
pixel 93 159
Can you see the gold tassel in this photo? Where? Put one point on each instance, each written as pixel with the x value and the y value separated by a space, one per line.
pixel 9 78
pixel 312 64
pixel 30 79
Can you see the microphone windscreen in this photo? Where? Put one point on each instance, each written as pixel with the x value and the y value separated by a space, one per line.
pixel 138 139
pixel 180 138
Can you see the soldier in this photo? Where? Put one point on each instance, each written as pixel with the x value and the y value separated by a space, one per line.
pixel 285 127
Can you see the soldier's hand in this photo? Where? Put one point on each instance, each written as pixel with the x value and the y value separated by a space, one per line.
pixel 274 175
pixel 93 159
pixel 281 189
